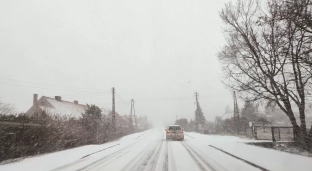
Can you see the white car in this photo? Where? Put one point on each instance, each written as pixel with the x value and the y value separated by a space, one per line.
pixel 175 132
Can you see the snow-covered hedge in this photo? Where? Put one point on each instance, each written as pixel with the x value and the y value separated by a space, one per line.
pixel 21 136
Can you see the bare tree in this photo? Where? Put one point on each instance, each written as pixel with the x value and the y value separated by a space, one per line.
pixel 262 58
pixel 250 111
pixel 6 108
pixel 300 13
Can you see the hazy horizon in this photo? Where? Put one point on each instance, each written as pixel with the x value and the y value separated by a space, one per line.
pixel 157 52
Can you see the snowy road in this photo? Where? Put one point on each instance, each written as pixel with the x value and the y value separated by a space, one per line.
pixel 148 151
pixel 151 151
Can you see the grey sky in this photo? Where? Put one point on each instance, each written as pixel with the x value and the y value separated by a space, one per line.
pixel 158 52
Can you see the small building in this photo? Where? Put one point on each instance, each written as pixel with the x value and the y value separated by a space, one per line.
pixel 55 106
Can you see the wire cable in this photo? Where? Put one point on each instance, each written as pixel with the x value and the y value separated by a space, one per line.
pixel 19 85
pixel 52 85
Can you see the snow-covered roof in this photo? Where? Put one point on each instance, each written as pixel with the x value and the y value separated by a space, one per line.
pixel 63 108
pixel 52 106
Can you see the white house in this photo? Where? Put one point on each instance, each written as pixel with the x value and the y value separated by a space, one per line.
pixel 55 106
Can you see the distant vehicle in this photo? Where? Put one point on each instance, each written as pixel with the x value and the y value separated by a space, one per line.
pixel 175 132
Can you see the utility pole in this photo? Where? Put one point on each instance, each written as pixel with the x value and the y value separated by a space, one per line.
pixel 146 122
pixel 236 113
pixel 113 110
pixel 196 112
pixel 196 95
pixel 135 118
pixel 131 121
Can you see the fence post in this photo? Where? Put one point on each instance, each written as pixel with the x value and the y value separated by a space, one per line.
pixel 272 130
pixel 256 136
pixel 294 134
pixel 252 131
pixel 279 134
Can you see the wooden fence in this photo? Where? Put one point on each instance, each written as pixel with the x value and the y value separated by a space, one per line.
pixel 274 133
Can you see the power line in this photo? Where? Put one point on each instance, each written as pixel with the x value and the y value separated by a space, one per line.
pixel 19 85
pixel 52 84
pixel 87 93
pixel 122 100
pixel 172 98
pixel 94 95
pixel 162 98
pixel 125 107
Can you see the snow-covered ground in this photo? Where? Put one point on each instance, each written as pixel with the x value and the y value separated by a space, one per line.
pixel 267 158
pixel 150 151
pixel 53 160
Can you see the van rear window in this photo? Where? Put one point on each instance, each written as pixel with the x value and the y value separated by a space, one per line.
pixel 174 128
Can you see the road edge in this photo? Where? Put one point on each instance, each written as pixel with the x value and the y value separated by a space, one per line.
pixel 248 162
pixel 99 151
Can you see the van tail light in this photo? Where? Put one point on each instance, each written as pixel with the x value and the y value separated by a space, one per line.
pixel 181 131
pixel 168 132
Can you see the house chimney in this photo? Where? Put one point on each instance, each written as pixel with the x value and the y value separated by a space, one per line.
pixel 58 98
pixel 75 101
pixel 35 99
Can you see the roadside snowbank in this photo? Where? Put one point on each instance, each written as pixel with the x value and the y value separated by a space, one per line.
pixel 56 159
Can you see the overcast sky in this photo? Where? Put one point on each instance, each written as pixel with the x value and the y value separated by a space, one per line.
pixel 158 52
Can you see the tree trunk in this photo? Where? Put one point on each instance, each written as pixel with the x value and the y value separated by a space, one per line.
pixel 309 140
pixel 304 141
pixel 296 128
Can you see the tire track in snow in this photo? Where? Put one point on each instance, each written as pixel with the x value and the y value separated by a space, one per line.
pixel 189 136
pixel 152 161
pixel 107 158
pixel 171 159
pixel 248 162
pixel 139 161
pixel 98 166
pixel 99 151
pixel 81 159
pixel 147 158
pixel 199 160
pixel 85 157
pixel 165 166
pixel 215 164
